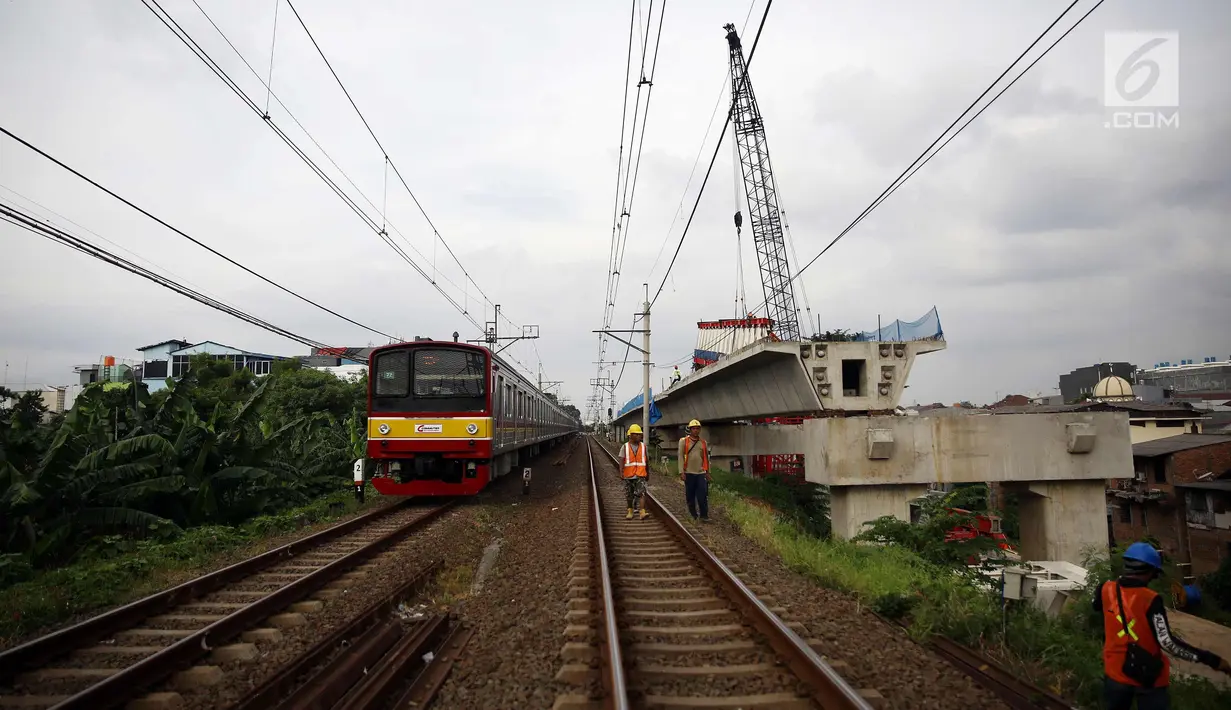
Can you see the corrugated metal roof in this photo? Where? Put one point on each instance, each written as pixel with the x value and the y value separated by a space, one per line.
pixel 1160 409
pixel 1207 485
pixel 1182 442
pixel 165 342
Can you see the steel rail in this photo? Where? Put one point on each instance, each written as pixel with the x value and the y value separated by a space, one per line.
pixel 424 688
pixel 58 643
pixel 1015 692
pixel 828 688
pixel 289 678
pixel 118 688
pixel 613 675
pixel 380 681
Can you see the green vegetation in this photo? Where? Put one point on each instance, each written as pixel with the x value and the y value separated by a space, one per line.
pixel 907 575
pixel 216 448
pixel 117 569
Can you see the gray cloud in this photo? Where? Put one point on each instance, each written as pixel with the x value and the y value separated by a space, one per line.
pixel 1045 240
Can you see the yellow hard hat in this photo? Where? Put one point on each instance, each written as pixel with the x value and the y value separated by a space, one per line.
pixel 694 423
pixel 634 429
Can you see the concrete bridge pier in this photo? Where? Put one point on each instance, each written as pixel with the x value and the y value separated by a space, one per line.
pixel 875 465
pixel 1061 520
pixel 851 506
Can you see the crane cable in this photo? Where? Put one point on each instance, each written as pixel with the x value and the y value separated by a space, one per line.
pixel 705 180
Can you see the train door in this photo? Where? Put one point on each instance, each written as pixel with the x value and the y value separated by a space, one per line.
pixel 497 412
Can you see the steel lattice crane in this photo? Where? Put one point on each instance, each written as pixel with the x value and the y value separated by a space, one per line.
pixel 762 196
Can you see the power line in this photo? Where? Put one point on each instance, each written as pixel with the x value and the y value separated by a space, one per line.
pixel 385 153
pixel 904 176
pixel 627 172
pixel 204 56
pixel 635 166
pixel 748 63
pixel 31 224
pixel 183 234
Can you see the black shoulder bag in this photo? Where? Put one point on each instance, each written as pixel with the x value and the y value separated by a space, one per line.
pixel 1139 664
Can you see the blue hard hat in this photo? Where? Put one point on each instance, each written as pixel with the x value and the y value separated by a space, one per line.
pixel 1144 553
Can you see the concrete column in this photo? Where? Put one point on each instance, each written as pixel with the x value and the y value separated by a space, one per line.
pixel 851 506
pixel 1061 520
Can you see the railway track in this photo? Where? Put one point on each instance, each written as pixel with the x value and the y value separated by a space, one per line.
pixel 1015 692
pixel 665 624
pixel 181 634
pixel 379 659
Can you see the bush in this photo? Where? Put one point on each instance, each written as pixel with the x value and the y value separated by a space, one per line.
pixel 127 569
pixel 1063 654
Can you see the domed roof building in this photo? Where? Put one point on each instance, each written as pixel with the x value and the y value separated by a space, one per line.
pixel 1113 389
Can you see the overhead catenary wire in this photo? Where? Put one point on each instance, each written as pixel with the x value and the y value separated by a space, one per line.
pixel 185 235
pixel 397 173
pixel 204 56
pixel 627 171
pixel 635 165
pixel 925 157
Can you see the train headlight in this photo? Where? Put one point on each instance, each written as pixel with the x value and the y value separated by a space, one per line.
pixel 472 428
pixel 383 428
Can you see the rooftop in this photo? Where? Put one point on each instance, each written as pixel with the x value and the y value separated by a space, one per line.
pixel 165 342
pixel 1207 485
pixel 1181 442
pixel 1141 408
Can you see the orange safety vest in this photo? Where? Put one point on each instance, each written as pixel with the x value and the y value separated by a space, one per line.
pixel 1117 633
pixel 705 454
pixel 634 466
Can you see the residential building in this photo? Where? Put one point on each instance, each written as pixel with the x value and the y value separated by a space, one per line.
pixel 1207 380
pixel 1081 382
pixel 257 363
pixel 156 362
pixel 55 397
pixel 170 359
pixel 1147 421
pixel 1180 495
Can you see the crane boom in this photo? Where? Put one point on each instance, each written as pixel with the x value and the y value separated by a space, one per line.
pixel 762 196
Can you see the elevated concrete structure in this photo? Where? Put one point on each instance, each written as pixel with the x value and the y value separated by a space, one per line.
pixel 876 465
pixel 780 379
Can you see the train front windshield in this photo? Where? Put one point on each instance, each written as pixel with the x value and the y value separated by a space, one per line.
pixel 424 379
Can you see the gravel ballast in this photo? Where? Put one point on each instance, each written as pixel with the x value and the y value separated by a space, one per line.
pixel 519 613
pixel 873 654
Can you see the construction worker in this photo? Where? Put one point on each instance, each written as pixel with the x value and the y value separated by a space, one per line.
pixel 1135 634
pixel 633 459
pixel 694 458
pixel 675 375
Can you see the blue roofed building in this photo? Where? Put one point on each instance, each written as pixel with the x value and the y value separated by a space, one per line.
pixel 171 358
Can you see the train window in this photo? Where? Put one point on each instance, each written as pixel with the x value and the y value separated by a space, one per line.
pixel 442 372
pixel 393 374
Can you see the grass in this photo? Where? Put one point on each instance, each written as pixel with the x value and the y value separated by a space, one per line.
pixel 451 586
pixel 117 570
pixel 1063 654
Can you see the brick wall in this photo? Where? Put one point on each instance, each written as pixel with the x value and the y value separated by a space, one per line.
pixel 1208 549
pixel 1185 466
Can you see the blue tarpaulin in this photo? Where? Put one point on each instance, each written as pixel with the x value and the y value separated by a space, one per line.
pixel 636 402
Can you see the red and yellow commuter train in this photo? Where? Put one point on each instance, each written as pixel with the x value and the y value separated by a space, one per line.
pixel 447 418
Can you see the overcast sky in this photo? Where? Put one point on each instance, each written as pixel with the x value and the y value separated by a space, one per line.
pixel 1046 240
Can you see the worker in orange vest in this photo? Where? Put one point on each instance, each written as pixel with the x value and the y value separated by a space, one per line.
pixel 1135 634
pixel 694 458
pixel 633 461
